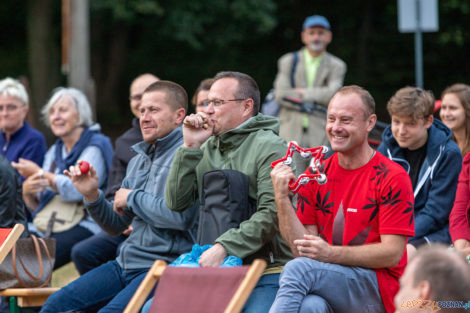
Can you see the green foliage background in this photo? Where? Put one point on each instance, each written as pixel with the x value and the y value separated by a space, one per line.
pixel 186 41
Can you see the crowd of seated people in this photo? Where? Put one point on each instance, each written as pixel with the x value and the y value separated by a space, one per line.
pixel 378 211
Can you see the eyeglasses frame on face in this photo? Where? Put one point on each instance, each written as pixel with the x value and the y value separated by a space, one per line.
pixel 218 102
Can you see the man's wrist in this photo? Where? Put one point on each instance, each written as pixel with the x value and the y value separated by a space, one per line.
pixel 92 196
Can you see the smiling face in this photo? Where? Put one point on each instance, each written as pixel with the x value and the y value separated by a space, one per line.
pixel 347 127
pixel 157 117
pixel 411 133
pixel 12 113
pixel 64 117
pixel 452 112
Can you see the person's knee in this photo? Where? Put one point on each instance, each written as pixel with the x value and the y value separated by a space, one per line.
pixel 299 265
pixel 313 304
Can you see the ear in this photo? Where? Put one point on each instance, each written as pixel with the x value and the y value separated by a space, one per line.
pixel 302 38
pixel 329 37
pixel 179 116
pixel 248 107
pixel 424 289
pixel 371 120
pixel 25 111
pixel 428 121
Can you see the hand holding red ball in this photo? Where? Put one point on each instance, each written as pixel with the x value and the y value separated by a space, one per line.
pixel 84 167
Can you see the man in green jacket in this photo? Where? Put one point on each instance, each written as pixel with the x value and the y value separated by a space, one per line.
pixel 231 134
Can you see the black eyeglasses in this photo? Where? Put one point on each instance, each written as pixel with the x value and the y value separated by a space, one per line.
pixel 218 102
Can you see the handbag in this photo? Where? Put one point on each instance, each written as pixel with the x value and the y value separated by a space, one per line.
pixel 29 264
pixel 68 214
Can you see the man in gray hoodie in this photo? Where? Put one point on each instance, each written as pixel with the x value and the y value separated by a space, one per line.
pixel 159 233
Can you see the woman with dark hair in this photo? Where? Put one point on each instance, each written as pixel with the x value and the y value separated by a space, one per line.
pixel 56 206
pixel 455 113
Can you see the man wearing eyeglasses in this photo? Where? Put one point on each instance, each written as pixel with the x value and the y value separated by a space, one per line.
pixel 17 138
pixel 231 134
pixel 101 248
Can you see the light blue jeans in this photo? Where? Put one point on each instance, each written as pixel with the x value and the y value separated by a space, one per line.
pixel 309 286
pixel 260 299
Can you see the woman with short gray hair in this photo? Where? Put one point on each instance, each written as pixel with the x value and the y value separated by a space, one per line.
pixel 56 206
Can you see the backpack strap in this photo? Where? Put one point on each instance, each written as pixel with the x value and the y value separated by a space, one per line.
pixel 294 66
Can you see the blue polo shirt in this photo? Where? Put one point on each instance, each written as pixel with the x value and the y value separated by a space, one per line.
pixel 27 143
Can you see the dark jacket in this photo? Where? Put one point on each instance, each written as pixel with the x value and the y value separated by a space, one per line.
pixel 437 182
pixel 12 207
pixel 123 153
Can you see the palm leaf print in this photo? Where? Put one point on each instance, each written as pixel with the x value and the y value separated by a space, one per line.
pixel 322 204
pixel 381 172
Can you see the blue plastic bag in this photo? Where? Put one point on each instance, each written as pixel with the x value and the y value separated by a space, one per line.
pixel 191 259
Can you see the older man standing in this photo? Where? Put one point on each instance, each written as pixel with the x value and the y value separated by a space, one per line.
pixel 17 138
pixel 313 75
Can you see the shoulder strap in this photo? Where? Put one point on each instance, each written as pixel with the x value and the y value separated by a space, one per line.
pixel 294 66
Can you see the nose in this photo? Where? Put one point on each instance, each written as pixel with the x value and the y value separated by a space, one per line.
pixel 210 108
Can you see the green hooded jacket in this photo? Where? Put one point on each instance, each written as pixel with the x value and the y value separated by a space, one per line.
pixel 250 148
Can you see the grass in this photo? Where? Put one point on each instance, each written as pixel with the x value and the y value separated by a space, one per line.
pixel 64 275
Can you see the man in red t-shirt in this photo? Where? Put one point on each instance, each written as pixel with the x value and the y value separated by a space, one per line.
pixel 348 235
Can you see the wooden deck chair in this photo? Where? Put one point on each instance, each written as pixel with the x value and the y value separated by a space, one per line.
pixel 8 238
pixel 20 297
pixel 146 286
pixel 201 290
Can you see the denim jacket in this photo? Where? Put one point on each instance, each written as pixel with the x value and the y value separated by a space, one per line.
pixel 158 232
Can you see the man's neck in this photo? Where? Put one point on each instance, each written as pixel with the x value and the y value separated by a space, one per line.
pixel 356 159
pixel 10 132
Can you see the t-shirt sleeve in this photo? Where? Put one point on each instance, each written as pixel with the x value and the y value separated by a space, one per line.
pixel 306 204
pixel 396 216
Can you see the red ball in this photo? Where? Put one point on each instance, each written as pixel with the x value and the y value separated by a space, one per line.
pixel 84 167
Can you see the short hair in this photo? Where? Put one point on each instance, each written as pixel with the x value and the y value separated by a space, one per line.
pixel 462 92
pixel 247 87
pixel 13 88
pixel 176 96
pixel 411 102
pixel 447 272
pixel 78 99
pixel 366 97
pixel 205 85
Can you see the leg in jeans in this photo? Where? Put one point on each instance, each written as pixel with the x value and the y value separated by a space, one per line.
pixel 344 289
pixel 65 241
pixel 95 250
pixel 132 280
pixel 94 289
pixel 263 295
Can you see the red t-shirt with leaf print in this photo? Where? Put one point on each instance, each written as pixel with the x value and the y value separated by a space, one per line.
pixel 356 206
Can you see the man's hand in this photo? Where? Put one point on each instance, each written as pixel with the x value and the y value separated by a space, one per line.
pixel 128 231
pixel 213 257
pixel 120 200
pixel 281 175
pixel 197 128
pixel 314 247
pixel 86 184
pixel 25 167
